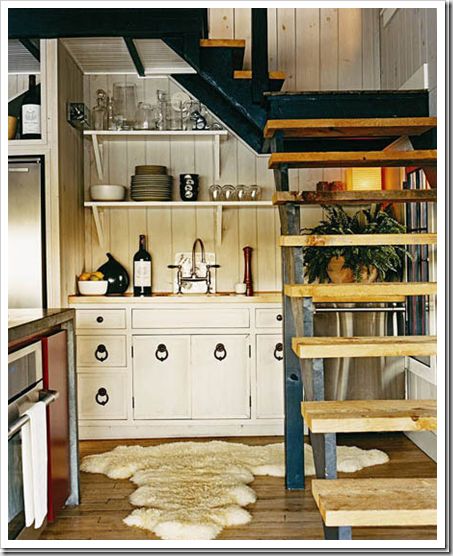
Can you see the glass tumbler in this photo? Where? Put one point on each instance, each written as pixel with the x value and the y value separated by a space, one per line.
pixel 215 192
pixel 242 192
pixel 228 193
pixel 255 192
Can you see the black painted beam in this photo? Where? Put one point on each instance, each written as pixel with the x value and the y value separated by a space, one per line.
pixel 46 23
pixel 135 56
pixel 32 48
pixel 260 64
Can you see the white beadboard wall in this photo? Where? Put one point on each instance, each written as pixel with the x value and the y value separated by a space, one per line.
pixel 18 84
pixel 408 40
pixel 336 49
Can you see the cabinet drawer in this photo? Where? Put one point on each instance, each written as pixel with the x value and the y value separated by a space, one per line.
pixel 101 351
pixel 269 318
pixel 102 318
pixel 102 395
pixel 190 318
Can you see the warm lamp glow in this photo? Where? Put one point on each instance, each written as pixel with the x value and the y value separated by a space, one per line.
pixel 359 179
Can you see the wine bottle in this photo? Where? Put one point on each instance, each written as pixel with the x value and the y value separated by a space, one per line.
pixel 142 270
pixel 31 111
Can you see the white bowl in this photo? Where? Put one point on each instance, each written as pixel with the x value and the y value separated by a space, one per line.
pixel 92 287
pixel 107 192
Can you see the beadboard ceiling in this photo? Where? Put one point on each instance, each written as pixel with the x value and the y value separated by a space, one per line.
pixel 20 60
pixel 110 56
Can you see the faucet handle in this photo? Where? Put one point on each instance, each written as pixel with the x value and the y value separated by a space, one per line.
pixel 174 266
pixel 212 266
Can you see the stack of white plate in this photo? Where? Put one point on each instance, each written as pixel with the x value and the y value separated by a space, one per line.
pixel 151 187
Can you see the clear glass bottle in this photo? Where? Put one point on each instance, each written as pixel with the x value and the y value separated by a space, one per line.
pixel 99 111
pixel 111 114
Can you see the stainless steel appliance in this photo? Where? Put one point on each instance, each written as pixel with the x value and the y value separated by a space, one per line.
pixel 26 229
pixel 25 380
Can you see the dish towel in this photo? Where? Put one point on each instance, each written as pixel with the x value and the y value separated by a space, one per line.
pixel 34 465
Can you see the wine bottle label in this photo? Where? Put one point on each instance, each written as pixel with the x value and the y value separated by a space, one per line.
pixel 142 274
pixel 31 119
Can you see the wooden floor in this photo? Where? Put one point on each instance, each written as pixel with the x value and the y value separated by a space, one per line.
pixel 277 514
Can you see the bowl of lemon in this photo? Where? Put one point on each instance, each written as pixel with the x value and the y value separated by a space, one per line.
pixel 92 283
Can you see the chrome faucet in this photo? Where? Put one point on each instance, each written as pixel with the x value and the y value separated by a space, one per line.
pixel 193 273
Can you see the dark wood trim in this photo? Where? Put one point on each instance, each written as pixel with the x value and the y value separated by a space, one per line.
pixel 260 64
pixel 133 52
pixel 32 48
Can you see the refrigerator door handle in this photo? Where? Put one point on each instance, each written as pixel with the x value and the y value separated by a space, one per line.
pixel 19 170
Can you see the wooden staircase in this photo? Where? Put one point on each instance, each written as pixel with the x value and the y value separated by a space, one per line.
pixel 348 502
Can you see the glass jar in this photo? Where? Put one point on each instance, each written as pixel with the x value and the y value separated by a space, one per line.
pixel 145 116
pixel 242 192
pixel 99 111
pixel 161 115
pixel 255 193
pixel 125 103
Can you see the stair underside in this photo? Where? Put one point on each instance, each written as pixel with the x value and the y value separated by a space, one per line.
pixel 370 415
pixel 359 292
pixel 365 159
pixel 358 239
pixel 354 197
pixel 321 347
pixel 349 127
pixel 376 502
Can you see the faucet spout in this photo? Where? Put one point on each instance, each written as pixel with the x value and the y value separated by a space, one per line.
pixel 203 255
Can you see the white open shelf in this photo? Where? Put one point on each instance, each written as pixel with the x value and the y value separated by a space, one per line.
pixel 98 207
pixel 98 136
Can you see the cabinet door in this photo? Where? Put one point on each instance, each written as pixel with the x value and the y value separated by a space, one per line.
pixel 269 376
pixel 220 377
pixel 103 395
pixel 161 377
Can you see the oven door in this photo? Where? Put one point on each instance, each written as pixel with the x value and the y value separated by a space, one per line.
pixel 16 511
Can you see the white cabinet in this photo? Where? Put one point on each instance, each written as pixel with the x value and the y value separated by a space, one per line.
pixel 101 395
pixel 101 351
pixel 220 377
pixel 161 377
pixel 269 376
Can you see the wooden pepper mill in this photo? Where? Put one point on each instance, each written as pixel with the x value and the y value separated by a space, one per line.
pixel 248 280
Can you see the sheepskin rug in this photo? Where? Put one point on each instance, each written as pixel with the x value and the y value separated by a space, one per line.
pixel 192 490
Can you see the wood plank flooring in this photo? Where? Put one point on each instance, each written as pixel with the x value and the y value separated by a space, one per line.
pixel 277 514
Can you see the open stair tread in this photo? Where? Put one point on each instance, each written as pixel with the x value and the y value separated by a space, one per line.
pixel 247 74
pixel 329 347
pixel 360 292
pixel 222 43
pixel 376 502
pixel 426 157
pixel 370 415
pixel 358 239
pixel 350 198
pixel 349 127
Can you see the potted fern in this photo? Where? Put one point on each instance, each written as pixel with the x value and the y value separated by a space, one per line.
pixel 352 263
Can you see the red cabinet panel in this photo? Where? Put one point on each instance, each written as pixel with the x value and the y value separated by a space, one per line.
pixel 55 377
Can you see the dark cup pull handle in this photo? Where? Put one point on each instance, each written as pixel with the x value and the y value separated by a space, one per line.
pixel 220 352
pixel 161 352
pixel 100 319
pixel 101 353
pixel 278 349
pixel 279 317
pixel 102 393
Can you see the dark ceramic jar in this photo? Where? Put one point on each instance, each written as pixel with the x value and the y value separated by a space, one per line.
pixel 116 275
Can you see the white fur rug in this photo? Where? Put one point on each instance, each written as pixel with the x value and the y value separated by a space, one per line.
pixel 192 490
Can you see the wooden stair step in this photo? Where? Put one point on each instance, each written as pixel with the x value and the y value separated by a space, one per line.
pixel 349 127
pixel 376 502
pixel 351 198
pixel 357 239
pixel 370 415
pixel 330 347
pixel 368 159
pixel 247 74
pixel 359 292
pixel 222 43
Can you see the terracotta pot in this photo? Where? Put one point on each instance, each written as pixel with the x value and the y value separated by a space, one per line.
pixel 338 274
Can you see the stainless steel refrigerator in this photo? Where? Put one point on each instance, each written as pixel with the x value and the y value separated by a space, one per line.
pixel 26 233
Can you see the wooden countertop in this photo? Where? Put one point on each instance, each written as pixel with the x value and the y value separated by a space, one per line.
pixel 260 297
